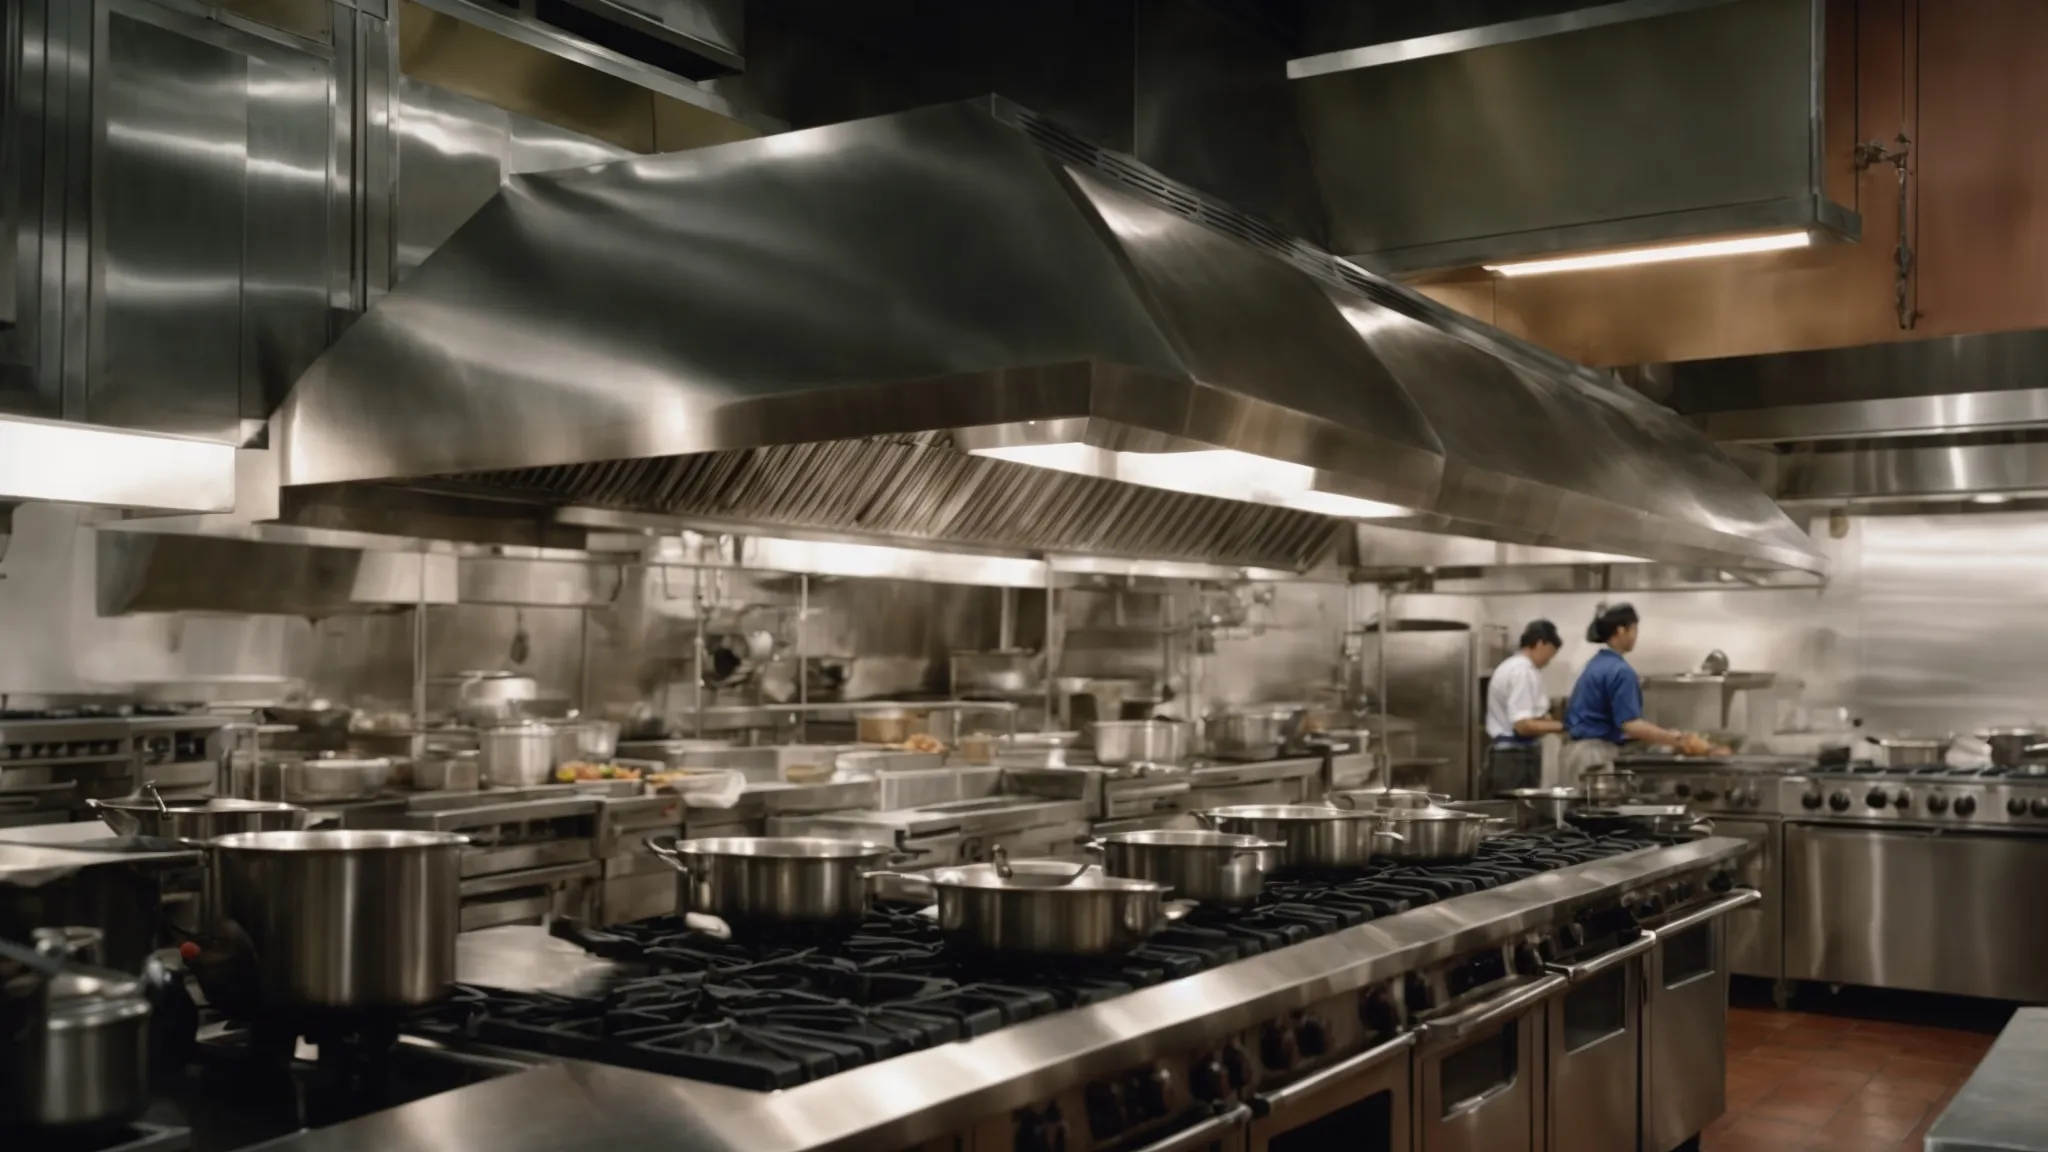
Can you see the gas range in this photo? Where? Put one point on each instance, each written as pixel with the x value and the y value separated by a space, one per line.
pixel 688 1004
pixel 1932 794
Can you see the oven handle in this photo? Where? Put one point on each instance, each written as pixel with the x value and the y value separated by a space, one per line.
pixel 1265 1103
pixel 1601 963
pixel 1207 1132
pixel 1740 898
pixel 1438 1033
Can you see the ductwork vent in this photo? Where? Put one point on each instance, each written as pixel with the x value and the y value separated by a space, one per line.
pixel 918 488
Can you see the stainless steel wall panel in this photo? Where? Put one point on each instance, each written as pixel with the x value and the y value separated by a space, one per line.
pixel 169 207
pixel 285 246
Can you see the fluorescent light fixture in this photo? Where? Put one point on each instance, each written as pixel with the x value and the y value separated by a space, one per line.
pixel 1220 472
pixel 1661 254
pixel 1991 498
pixel 87 464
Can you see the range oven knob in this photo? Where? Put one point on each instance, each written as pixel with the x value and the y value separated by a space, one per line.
pixel 1237 1066
pixel 1378 1012
pixel 1966 805
pixel 1902 799
pixel 1108 1114
pixel 1810 800
pixel 1681 789
pixel 1937 803
pixel 1877 798
pixel 1838 801
pixel 1277 1049
pixel 2017 806
pixel 1706 795
pixel 1042 1131
pixel 1151 1093
pixel 1313 1037
pixel 1208 1081
pixel 2038 806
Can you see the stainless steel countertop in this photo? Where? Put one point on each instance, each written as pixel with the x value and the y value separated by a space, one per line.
pixel 921 1095
pixel 2001 1107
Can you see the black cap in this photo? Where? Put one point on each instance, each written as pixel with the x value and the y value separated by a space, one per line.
pixel 1541 632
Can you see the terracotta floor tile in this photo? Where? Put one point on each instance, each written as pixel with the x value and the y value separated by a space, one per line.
pixel 1911 1089
pixel 1765 1128
pixel 1850 1059
pixel 1815 1095
pixel 1791 1110
pixel 1801 1037
pixel 1819 1073
pixel 1900 1107
pixel 1761 1016
pixel 1816 1022
pixel 1763 1066
pixel 1869 1124
pixel 1843 1142
pixel 1914 1068
pixel 1860 1042
pixel 1789 1055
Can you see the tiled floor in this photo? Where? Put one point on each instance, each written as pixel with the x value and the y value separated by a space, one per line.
pixel 1798 1080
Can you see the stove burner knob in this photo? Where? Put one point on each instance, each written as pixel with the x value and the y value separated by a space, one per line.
pixel 1152 1092
pixel 2017 806
pixel 1314 1037
pixel 1810 800
pixel 1839 801
pixel 1108 1114
pixel 1965 805
pixel 1877 798
pixel 1042 1131
pixel 1277 1049
pixel 1237 1066
pixel 1752 797
pixel 1208 1081
pixel 1938 803
pixel 1415 990
pixel 1378 1012
pixel 1903 800
pixel 1721 882
pixel 1705 795
pixel 1528 961
pixel 1681 789
pixel 2038 806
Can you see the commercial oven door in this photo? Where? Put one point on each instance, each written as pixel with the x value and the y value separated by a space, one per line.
pixel 1480 1073
pixel 1756 934
pixel 1359 1104
pixel 1685 1023
pixel 1919 909
pixel 1595 1030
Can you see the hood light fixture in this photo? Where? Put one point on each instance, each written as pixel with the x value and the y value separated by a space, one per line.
pixel 1660 254
pixel 1220 472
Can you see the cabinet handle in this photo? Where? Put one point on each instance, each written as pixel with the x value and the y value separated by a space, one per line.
pixel 1601 963
pixel 1455 1027
pixel 1264 1103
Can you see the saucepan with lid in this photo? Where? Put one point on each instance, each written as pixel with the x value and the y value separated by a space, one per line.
pixel 1313 837
pixel 1042 909
pixel 1210 867
pixel 775 887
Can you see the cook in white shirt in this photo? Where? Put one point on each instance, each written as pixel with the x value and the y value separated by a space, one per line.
pixel 1518 712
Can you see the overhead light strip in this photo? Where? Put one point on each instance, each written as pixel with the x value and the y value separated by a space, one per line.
pixel 1661 254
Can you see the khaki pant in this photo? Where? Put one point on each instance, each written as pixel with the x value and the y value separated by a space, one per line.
pixel 1583 756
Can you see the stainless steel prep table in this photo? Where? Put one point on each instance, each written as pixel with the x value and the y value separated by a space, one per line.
pixel 939 1091
pixel 2001 1107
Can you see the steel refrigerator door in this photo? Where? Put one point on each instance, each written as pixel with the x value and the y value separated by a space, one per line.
pixel 1432 682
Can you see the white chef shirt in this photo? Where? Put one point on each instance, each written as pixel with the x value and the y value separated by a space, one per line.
pixel 1515 693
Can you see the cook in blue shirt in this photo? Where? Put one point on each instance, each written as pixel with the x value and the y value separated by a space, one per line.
pixel 1607 702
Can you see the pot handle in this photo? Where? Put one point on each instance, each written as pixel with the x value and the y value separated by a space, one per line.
pixel 1340 800
pixel 1090 844
pixel 667 851
pixel 1208 818
pixel 1384 834
pixel 1177 910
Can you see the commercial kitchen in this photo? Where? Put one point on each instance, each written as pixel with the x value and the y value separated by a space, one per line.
pixel 772 576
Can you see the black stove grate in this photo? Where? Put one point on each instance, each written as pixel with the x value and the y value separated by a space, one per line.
pixel 689 1004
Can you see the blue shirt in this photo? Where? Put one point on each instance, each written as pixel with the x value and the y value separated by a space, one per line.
pixel 1607 696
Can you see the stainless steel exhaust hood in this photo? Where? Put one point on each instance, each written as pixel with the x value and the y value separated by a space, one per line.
pixel 963 325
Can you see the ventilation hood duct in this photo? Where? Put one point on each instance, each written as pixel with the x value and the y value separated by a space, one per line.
pixel 1620 125
pixel 849 330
